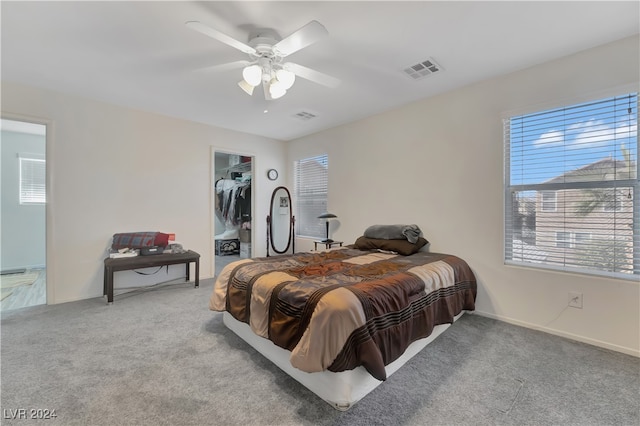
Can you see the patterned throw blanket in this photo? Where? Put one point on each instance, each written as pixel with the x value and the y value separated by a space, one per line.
pixel 339 309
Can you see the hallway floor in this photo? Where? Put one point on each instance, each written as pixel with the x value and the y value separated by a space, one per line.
pixel 27 295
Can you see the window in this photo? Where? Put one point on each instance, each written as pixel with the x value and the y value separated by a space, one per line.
pixel 548 201
pixel 563 239
pixel 612 200
pixel 582 238
pixel 310 187
pixel 572 239
pixel 32 180
pixel 572 189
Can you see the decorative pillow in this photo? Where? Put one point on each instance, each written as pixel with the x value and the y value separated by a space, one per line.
pixel 402 247
pixel 139 240
pixel 161 240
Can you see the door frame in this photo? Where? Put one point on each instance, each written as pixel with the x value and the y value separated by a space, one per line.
pixel 49 206
pixel 212 177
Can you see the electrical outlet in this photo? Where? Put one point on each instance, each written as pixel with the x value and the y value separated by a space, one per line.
pixel 575 300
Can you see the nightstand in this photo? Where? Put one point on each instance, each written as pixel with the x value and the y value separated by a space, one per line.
pixel 327 244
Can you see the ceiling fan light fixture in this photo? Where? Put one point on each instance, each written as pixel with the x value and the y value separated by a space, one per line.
pixel 276 86
pixel 286 78
pixel 276 89
pixel 252 75
pixel 248 89
pixel 265 58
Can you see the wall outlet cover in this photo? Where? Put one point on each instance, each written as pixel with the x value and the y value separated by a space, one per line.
pixel 575 300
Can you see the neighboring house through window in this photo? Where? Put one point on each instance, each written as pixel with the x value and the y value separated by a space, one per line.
pixel 571 188
pixel 311 177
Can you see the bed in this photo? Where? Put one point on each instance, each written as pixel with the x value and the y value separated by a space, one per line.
pixel 343 320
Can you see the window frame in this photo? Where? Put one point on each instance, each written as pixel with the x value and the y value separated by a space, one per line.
pixel 554 201
pixel 572 240
pixel 30 190
pixel 563 239
pixel 307 224
pixel 616 203
pixel 511 253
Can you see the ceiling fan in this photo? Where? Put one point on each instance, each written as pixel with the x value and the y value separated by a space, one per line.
pixel 266 53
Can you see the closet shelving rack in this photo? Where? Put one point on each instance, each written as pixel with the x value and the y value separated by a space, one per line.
pixel 237 168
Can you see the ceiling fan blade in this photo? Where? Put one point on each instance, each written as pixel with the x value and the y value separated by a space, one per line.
pixel 226 67
pixel 303 37
pixel 312 75
pixel 215 34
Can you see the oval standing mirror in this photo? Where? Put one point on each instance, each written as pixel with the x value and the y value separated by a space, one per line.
pixel 280 226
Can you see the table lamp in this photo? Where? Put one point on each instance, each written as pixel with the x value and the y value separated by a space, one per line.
pixel 327 216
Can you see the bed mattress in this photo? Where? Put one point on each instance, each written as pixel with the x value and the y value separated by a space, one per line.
pixel 340 390
pixel 345 310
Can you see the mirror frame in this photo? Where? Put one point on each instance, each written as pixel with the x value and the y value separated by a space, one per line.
pixel 270 224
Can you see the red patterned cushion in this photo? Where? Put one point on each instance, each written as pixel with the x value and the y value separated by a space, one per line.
pixel 162 240
pixel 139 240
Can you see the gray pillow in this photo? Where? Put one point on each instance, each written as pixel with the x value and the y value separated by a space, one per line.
pixel 402 247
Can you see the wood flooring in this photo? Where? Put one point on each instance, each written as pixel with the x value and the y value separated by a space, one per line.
pixel 28 295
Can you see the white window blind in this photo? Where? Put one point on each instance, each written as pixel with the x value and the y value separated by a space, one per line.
pixel 310 187
pixel 571 188
pixel 32 180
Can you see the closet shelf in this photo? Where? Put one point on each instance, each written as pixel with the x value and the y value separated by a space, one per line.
pixel 240 167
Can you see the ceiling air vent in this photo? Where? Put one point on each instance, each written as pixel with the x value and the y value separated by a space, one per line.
pixel 423 69
pixel 303 115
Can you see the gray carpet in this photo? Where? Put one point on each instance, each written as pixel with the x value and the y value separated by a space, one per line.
pixel 160 357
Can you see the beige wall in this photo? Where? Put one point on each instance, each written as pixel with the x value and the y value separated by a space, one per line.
pixel 112 169
pixel 439 163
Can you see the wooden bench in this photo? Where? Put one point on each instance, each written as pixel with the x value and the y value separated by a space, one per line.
pixel 112 265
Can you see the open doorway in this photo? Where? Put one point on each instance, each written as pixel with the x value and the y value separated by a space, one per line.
pixel 23 211
pixel 232 207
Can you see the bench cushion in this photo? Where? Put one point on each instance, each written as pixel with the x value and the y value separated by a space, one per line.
pixel 139 240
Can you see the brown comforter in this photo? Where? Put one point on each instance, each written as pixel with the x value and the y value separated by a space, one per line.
pixel 338 309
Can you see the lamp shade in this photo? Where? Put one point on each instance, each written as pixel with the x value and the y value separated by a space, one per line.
pixel 276 89
pixel 252 74
pixel 246 87
pixel 327 215
pixel 286 78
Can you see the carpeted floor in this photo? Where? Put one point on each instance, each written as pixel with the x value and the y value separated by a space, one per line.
pixel 160 357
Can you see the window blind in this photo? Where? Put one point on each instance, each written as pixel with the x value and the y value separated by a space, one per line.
pixel 311 177
pixel 571 188
pixel 32 180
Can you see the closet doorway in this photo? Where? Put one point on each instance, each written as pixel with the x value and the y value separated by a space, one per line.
pixel 23 238
pixel 232 206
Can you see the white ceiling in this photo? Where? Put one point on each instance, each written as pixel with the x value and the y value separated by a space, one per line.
pixel 141 55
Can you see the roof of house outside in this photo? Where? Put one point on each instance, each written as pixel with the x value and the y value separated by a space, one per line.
pixel 604 169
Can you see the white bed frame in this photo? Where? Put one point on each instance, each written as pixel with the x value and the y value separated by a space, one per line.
pixel 341 390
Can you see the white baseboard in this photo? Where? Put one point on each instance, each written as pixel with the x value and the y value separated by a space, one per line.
pixel 27 267
pixel 594 342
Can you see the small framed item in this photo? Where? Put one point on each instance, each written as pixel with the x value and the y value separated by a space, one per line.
pixel 272 174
